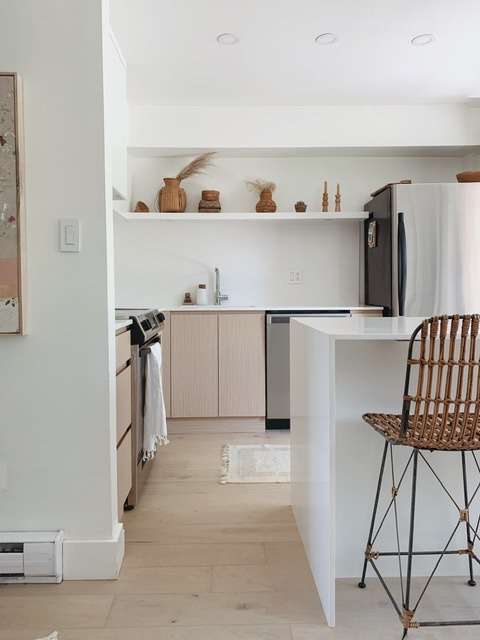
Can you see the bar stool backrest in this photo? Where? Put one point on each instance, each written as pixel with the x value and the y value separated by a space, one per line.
pixel 441 402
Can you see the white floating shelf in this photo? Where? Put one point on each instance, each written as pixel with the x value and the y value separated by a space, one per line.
pixel 254 217
pixel 308 152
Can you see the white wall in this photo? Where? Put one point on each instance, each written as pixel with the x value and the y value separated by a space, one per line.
pixel 157 262
pixel 331 126
pixel 55 395
pixel 471 162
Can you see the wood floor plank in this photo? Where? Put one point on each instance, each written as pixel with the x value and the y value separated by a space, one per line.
pixel 35 612
pixel 202 511
pixel 213 608
pixel 218 632
pixel 147 529
pixel 132 580
pixel 238 578
pixel 152 554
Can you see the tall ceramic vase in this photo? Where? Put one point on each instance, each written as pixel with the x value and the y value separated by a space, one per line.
pixel 171 197
pixel 266 203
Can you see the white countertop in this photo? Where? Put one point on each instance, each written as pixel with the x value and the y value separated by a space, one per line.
pixel 364 328
pixel 226 307
pixel 122 324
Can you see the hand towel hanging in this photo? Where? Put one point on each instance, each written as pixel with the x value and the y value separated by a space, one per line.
pixel 155 422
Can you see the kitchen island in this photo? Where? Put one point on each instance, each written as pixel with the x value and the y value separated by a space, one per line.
pixel 340 369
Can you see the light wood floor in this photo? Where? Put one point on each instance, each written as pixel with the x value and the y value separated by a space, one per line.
pixel 206 561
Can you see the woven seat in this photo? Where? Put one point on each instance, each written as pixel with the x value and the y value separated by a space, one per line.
pixel 464 436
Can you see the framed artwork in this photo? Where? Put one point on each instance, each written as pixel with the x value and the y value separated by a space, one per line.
pixel 12 267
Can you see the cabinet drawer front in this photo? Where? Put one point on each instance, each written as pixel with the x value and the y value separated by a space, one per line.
pixel 124 471
pixel 124 401
pixel 123 349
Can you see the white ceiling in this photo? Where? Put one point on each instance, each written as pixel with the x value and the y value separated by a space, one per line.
pixel 173 56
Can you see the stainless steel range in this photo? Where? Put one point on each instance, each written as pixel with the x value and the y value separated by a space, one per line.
pixel 146 330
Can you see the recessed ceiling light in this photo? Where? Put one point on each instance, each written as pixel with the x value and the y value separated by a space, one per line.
pixel 326 38
pixel 422 39
pixel 227 38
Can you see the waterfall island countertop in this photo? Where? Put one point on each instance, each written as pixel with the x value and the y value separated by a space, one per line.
pixel 340 369
pixel 364 328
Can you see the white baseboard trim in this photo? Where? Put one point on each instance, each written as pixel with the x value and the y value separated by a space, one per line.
pixel 94 559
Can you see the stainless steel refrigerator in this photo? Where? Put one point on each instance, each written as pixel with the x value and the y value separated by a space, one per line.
pixel 422 249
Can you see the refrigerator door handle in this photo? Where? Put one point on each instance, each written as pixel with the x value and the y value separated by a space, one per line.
pixel 402 263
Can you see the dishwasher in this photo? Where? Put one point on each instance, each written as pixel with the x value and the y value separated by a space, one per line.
pixel 278 361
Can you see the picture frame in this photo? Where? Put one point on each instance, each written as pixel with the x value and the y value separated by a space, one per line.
pixel 12 214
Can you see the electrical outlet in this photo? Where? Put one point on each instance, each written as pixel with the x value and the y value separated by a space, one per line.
pixel 295 277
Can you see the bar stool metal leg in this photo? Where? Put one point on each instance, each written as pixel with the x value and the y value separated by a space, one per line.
pixel 362 584
pixel 407 613
pixel 471 582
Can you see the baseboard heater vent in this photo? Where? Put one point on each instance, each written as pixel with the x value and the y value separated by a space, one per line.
pixel 31 556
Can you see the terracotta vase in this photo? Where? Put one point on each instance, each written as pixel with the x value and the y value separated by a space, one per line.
pixel 171 197
pixel 266 204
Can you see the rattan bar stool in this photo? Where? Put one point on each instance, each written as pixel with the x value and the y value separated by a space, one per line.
pixel 441 412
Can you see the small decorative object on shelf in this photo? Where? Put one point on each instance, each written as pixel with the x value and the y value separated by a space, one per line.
pixel 266 204
pixel 202 297
pixel 300 206
pixel 187 299
pixel 325 198
pixel 172 197
pixel 338 199
pixel 468 176
pixel 141 207
pixel 210 202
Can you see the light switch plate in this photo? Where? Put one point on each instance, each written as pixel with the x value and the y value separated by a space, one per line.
pixel 69 235
pixel 295 277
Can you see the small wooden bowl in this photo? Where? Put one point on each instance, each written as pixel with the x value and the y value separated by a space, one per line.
pixel 210 195
pixel 468 176
pixel 141 207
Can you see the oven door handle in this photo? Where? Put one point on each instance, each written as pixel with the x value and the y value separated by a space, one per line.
pixel 146 347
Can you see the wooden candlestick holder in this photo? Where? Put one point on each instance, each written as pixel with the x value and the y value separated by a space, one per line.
pixel 325 198
pixel 338 199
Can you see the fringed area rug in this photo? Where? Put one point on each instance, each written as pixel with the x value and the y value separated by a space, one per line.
pixel 252 463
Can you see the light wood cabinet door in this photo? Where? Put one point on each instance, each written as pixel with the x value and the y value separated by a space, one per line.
pixel 194 365
pixel 241 340
pixel 166 364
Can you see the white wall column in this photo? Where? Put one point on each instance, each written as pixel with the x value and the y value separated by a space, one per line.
pixel 57 383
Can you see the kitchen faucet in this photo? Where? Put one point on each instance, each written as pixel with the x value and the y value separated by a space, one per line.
pixel 219 296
